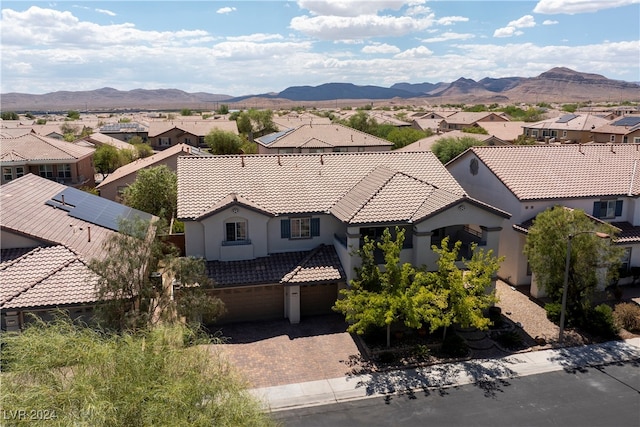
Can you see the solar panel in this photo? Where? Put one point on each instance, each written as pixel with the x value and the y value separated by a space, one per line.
pixel 268 139
pixel 95 209
pixel 566 118
pixel 627 121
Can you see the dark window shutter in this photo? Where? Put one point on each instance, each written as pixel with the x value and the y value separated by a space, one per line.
pixel 596 209
pixel 315 227
pixel 618 207
pixel 285 228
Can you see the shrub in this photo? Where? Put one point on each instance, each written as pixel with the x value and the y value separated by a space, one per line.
pixel 553 310
pixel 599 321
pixel 627 316
pixel 421 351
pixel 455 346
pixel 510 339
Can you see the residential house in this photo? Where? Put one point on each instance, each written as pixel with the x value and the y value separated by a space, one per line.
pixel 566 129
pixel 293 120
pixel 464 119
pixel 124 131
pixel 47 157
pixel 48 235
pixel 320 138
pixel 165 134
pixel 115 183
pixel 426 143
pixel 624 130
pixel 279 231
pixel 600 179
pixel 97 139
pixel 429 121
pixel 505 131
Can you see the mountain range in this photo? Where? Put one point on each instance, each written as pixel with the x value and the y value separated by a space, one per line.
pixel 556 85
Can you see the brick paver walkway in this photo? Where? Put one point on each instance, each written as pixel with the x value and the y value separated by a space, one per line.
pixel 276 352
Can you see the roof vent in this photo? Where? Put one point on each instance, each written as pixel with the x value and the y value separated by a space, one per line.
pixel 279 164
pixel 242 160
pixel 321 160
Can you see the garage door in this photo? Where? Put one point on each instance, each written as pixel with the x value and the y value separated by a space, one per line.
pixel 317 299
pixel 252 303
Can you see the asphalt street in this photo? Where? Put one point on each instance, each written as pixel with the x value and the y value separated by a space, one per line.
pixel 606 396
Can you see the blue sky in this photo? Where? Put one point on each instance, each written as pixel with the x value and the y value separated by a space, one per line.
pixel 249 47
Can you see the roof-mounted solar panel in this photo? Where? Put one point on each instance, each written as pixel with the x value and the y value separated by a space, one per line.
pixel 566 118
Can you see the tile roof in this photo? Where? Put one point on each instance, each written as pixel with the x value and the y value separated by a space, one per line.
pixel 333 135
pixel 308 183
pixel 198 128
pixel 100 138
pixel 564 171
pixel 24 211
pixel 151 161
pixel 41 149
pixel 46 276
pixel 426 143
pixel 629 233
pixel 507 131
pixel 470 117
pixel 319 265
pixel 576 122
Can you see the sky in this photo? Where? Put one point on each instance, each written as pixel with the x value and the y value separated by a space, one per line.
pixel 241 48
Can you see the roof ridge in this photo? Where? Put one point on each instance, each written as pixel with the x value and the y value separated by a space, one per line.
pixel 379 189
pixel 290 275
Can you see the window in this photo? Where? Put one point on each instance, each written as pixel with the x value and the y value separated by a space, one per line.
pixel 607 208
pixel 64 171
pixel 236 231
pixel 564 133
pixel 534 133
pixel 299 228
pixel 636 140
pixel 7 174
pixel 164 142
pixel 187 141
pixel 612 138
pixel 19 171
pixel 624 261
pixel 285 150
pixel 46 171
pixel 340 149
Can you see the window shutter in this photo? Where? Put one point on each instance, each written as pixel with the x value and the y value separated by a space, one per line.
pixel 618 207
pixel 285 228
pixel 596 209
pixel 315 227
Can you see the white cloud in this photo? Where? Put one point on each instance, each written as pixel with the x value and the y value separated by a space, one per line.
pixel 511 29
pixel 380 48
pixel 360 27
pixel 549 22
pixel 450 20
pixel 258 37
pixel 571 7
pixel 225 10
pixel 447 37
pixel 106 12
pixel 351 8
pixel 417 52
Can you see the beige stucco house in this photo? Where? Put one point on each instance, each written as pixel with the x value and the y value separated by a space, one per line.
pixel 165 134
pixel 568 128
pixel 320 138
pixel 279 231
pixel 625 130
pixel 49 158
pixel 600 179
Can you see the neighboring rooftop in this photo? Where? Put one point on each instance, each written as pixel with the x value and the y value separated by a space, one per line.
pixel 321 135
pixel 564 171
pixel 32 147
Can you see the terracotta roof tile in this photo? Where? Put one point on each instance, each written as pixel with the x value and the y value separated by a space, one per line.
pixel 299 183
pixel 334 135
pixel 35 147
pixel 564 171
pixel 319 265
pixel 47 276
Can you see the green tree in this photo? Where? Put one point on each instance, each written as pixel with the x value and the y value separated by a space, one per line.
pixel 255 123
pixel 9 115
pixel 142 150
pixel 223 142
pixel 69 131
pixel 448 148
pixel 363 122
pixel 546 248
pixel 186 112
pixel 73 115
pixel 154 191
pixel 381 297
pixel 164 376
pixel 402 137
pixel 106 159
pixel 468 291
pixel 223 109
pixel 475 129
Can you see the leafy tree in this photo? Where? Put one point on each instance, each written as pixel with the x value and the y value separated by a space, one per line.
pixel 478 108
pixel 448 148
pixel 363 122
pixel 546 249
pixel 524 140
pixel 402 137
pixel 186 112
pixel 124 120
pixel 570 108
pixel 41 121
pixel 154 191
pixel 9 115
pixel 142 150
pixel 136 139
pixel 29 115
pixel 162 376
pixel 106 159
pixel 73 115
pixel 467 291
pixel 86 131
pixel 223 109
pixel 255 123
pixel 223 142
pixel 475 129
pixel 69 131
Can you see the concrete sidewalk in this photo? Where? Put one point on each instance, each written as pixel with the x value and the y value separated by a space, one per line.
pixel 476 371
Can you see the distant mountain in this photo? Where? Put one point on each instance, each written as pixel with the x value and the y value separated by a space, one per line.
pixel 556 85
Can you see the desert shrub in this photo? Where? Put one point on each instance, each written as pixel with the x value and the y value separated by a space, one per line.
pixel 454 346
pixel 627 316
pixel 421 350
pixel 600 322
